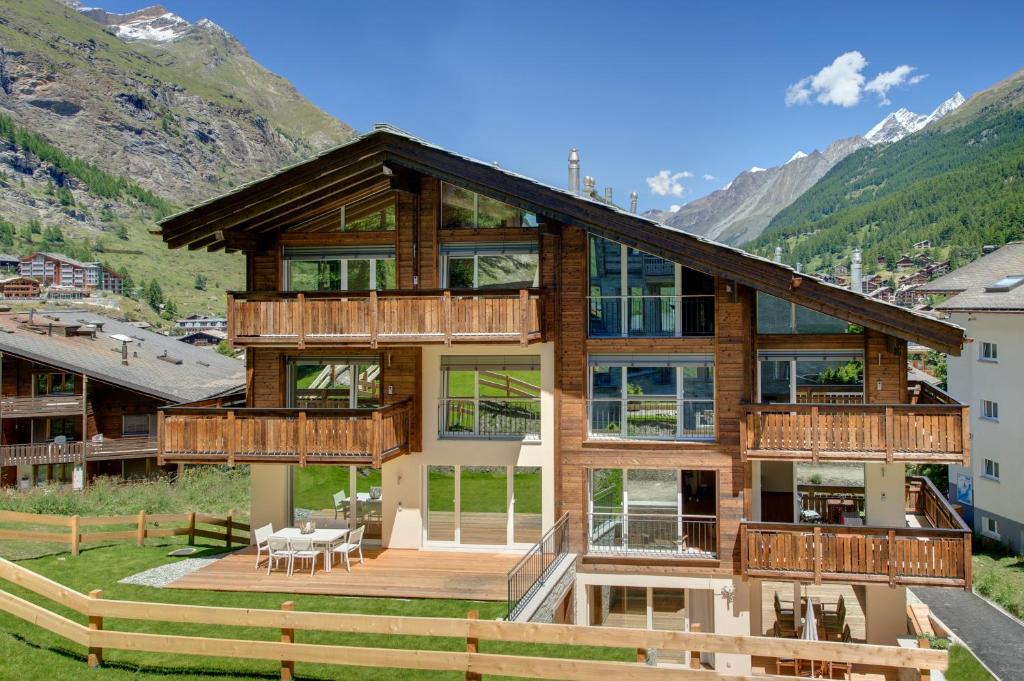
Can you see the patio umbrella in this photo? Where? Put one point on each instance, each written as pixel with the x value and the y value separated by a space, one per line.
pixel 810 632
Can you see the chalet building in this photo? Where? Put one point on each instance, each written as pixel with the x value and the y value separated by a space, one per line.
pixel 905 263
pixel 202 322
pixel 80 395
pixel 19 287
pixel 9 263
pixel 481 361
pixel 883 261
pixel 204 338
pixel 921 245
pixel 60 270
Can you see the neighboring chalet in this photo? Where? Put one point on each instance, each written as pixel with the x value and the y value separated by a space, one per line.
pixel 9 263
pixel 202 322
pixel 59 270
pixel 486 359
pixel 19 287
pixel 81 392
pixel 204 338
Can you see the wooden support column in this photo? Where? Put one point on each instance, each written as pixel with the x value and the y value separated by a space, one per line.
pixel 817 554
pixel 473 646
pixel 374 318
pixel 376 437
pixel 524 317
pixel 287 636
pixel 965 434
pixel 888 434
pixel 230 438
pixel 231 322
pixel 230 525
pixel 968 567
pixel 814 434
pixel 161 433
pixel 95 624
pixel 302 439
pixel 140 530
pixel 300 321
pixel 76 534
pixel 447 317
pixel 925 643
pixel 192 527
pixel 892 557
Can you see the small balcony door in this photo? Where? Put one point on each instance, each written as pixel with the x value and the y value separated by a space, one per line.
pixel 810 377
pixel 335 383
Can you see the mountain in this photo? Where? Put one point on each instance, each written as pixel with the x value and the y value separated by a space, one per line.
pixel 98 109
pixel 957 182
pixel 741 210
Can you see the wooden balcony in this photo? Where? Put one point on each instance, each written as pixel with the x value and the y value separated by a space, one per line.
pixel 298 320
pixel 938 555
pixel 38 453
pixel 13 406
pixel 913 433
pixel 288 436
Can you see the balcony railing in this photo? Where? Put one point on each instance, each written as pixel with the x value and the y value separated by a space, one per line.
pixel 939 555
pixel 652 535
pixel 299 436
pixel 39 453
pixel 490 418
pixel 652 316
pixel 652 419
pixel 530 573
pixel 930 433
pixel 12 406
pixel 297 319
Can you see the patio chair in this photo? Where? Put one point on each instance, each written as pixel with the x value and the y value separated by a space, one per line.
pixel 261 535
pixel 354 542
pixel 303 549
pixel 779 610
pixel 278 549
pixel 833 622
pixel 785 662
pixel 340 502
pixel 845 667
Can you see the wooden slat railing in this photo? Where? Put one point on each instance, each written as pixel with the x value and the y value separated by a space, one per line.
pixel 924 499
pixel 110 618
pixel 298 319
pixel 930 433
pixel 39 453
pixel 302 436
pixel 18 407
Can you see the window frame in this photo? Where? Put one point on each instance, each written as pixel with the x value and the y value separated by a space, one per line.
pixel 989 410
pixel 476 211
pixel 990 469
pixel 487 251
pixel 374 257
pixel 794 328
pixel 987 520
pixel 445 398
pixel 124 421
pixel 993 352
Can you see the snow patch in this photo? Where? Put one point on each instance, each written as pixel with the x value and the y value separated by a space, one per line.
pixel 757 169
pixel 799 154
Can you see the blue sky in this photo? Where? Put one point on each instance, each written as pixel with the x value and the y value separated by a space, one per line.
pixel 638 87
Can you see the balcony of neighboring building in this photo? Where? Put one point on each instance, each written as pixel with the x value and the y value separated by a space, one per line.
pixel 832 543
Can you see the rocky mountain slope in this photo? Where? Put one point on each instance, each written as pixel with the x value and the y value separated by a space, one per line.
pixel 740 211
pixel 958 183
pixel 175 108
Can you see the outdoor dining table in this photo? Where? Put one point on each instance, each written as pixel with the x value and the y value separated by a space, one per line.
pixel 325 538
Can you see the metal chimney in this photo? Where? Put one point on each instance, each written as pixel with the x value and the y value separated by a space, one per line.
pixel 633 199
pixel 799 267
pixel 778 254
pixel 124 353
pixel 608 194
pixel 856 283
pixel 589 184
pixel 574 171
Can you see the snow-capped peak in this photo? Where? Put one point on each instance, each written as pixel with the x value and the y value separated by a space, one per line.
pixel 902 122
pixel 757 169
pixel 152 24
pixel 946 107
pixel 799 154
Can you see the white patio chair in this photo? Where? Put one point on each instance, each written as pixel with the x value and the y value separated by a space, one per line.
pixel 340 502
pixel 278 549
pixel 303 549
pixel 354 542
pixel 262 535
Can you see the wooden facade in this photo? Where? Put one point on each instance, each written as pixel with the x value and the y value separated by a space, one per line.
pixel 301 206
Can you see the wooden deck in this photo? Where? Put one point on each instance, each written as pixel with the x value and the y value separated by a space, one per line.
pixel 387 573
pixel 822 593
pixel 861 672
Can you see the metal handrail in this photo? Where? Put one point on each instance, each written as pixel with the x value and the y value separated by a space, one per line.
pixel 531 571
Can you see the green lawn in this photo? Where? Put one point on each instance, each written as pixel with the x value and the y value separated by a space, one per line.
pixel 1000 577
pixel 26 649
pixel 963 666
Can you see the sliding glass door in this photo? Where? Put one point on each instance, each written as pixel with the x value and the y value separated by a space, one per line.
pixel 811 377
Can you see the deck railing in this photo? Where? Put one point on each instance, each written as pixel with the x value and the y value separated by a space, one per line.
pixel 489 417
pixel 39 453
pixel 299 319
pixel 933 433
pixel 530 573
pixel 13 406
pixel 301 436
pixel 931 556
pixel 652 535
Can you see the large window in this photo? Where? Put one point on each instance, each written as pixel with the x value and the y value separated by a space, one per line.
pixel 652 397
pixel 775 315
pixel 334 383
pixel 633 293
pixel 823 377
pixel 483 266
pixel 382 220
pixel 461 208
pixel 340 269
pixel 55 384
pixel 135 425
pixel 653 511
pixel 490 397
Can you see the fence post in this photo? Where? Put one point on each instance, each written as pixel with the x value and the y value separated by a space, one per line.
pixel 302 438
pixel 473 646
pixel 376 450
pixel 641 655
pixel 230 436
pixel 374 312
pixel 76 535
pixel 300 332
pixel 95 624
pixel 892 557
pixel 524 316
pixel 446 302
pixel 230 524
pixel 695 654
pixel 140 531
pixel 192 528
pixel 818 554
pixel 925 643
pixel 287 636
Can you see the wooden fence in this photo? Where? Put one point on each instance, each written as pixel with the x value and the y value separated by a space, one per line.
pixel 97 638
pixel 76 530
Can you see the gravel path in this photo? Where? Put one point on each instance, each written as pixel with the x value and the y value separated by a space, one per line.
pixel 165 574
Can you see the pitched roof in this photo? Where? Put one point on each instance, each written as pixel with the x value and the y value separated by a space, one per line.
pixel 967 284
pixel 376 159
pixel 199 374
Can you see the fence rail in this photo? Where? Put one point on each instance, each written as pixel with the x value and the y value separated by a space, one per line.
pixel 934 433
pixel 98 636
pixel 225 435
pixel 71 530
pixel 298 319
pixel 652 535
pixel 18 407
pixel 530 573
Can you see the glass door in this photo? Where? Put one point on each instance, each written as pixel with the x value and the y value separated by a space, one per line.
pixel 334 384
pixel 441 503
pixel 483 508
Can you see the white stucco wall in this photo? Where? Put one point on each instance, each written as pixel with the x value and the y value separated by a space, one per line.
pixel 270 489
pixel 884 492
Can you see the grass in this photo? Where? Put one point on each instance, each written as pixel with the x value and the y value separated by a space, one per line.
pixel 963 666
pixel 27 649
pixel 999 576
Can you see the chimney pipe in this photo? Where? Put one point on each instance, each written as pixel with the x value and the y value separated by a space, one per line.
pixel 589 184
pixel 124 353
pixel 778 254
pixel 608 194
pixel 633 198
pixel 574 171
pixel 856 283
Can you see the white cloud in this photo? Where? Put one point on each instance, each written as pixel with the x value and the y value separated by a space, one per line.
pixel 667 183
pixel 708 176
pixel 886 80
pixel 842 82
pixel 674 208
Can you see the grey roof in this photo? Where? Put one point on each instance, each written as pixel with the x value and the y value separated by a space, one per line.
pixel 200 375
pixel 6 257
pixel 64 258
pixel 967 284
